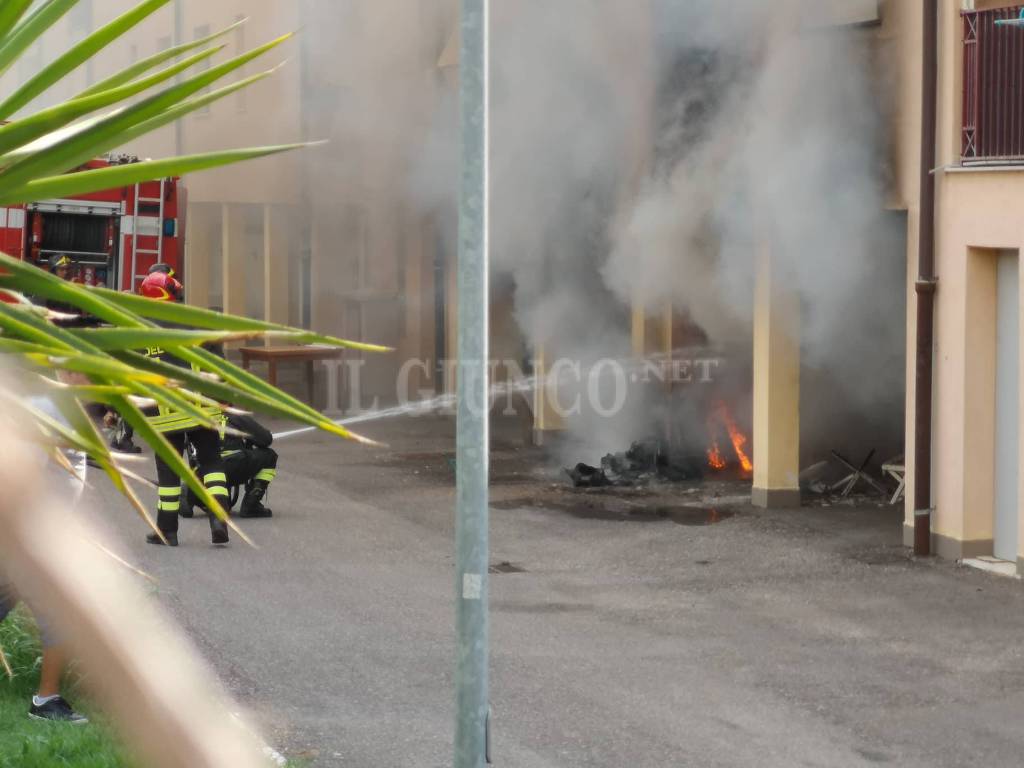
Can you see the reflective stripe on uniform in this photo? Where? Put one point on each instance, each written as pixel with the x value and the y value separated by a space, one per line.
pixel 173 491
pixel 266 474
pixel 218 490
pixel 169 420
pixel 176 424
pixel 225 454
pixel 215 477
pixel 168 506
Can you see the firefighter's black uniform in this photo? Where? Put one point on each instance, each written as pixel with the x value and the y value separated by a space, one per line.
pixel 249 461
pixel 180 428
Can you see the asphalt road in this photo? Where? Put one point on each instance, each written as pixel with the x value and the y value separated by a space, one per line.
pixel 783 638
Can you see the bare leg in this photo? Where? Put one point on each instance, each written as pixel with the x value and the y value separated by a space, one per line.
pixel 54 660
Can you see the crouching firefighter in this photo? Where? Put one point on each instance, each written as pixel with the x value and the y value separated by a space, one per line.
pixel 248 460
pixel 179 428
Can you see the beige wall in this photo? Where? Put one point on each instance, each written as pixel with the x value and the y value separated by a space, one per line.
pixel 978 215
pixel 263 114
pixel 267 113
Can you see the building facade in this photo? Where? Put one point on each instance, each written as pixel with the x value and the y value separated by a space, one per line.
pixel 979 177
pixel 333 237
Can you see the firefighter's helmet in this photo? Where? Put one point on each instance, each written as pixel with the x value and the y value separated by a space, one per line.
pixel 166 269
pixel 161 286
pixel 59 261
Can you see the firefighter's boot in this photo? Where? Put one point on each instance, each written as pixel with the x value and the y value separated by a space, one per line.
pixel 252 504
pixel 218 529
pixel 167 522
pixel 216 484
pixel 188 503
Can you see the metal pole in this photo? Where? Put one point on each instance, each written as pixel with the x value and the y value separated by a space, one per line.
pixel 471 557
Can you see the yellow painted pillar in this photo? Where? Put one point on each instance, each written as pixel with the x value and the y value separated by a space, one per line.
pixel 327 273
pixel 233 258
pixel 548 417
pixel 652 334
pixel 776 390
pixel 199 244
pixel 276 264
pixel 639 329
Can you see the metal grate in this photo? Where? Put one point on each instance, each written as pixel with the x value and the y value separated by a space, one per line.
pixel 993 88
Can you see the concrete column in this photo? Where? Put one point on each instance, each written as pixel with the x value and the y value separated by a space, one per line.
pixel 233 258
pixel 652 334
pixel 276 264
pixel 547 419
pixel 776 390
pixel 638 327
pixel 199 247
pixel 417 333
pixel 326 273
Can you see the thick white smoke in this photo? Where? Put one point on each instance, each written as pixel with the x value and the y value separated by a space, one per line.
pixel 641 150
pixel 783 146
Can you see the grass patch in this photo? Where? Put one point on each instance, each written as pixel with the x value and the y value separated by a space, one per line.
pixel 26 743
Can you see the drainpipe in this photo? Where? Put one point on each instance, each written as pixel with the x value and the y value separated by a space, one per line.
pixel 925 287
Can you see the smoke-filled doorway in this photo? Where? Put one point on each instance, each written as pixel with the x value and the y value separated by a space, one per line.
pixel 852 391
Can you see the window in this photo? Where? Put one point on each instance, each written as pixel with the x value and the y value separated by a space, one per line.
pixel 993 95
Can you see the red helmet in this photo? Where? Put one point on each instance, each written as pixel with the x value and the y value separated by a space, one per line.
pixel 161 286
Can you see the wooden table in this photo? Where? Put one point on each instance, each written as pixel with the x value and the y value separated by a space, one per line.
pixel 272 356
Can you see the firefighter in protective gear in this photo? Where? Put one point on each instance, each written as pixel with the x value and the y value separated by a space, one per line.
pixel 248 460
pixel 60 265
pixel 180 428
pixel 160 284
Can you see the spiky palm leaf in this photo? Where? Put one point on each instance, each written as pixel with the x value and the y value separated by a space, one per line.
pixel 38 157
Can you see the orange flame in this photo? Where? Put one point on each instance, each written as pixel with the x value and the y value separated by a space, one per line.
pixel 715 460
pixel 739 440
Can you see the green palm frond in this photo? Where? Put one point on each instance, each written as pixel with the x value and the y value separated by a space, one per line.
pixel 76 56
pixel 39 155
pixel 128 74
pixel 20 37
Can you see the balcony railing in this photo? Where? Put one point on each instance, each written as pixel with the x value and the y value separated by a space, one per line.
pixel 993 106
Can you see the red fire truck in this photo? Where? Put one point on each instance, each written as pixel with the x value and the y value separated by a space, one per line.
pixel 112 237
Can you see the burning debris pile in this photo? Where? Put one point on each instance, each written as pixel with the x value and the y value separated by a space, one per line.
pixel 721 418
pixel 675 459
pixel 645 462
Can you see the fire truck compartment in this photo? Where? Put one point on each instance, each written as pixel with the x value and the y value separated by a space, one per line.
pixel 87 238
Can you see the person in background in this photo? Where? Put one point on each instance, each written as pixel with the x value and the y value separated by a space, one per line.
pixel 47 703
pixel 60 265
